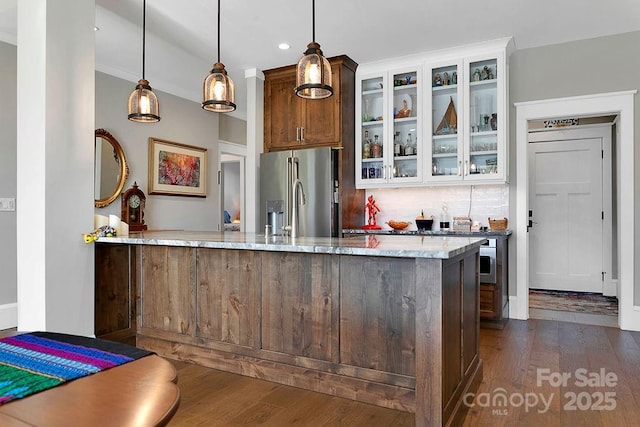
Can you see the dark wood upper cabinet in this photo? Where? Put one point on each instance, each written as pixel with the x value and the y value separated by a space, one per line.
pixel 291 122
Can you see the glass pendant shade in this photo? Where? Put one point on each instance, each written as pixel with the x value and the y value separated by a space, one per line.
pixel 143 104
pixel 218 92
pixel 313 77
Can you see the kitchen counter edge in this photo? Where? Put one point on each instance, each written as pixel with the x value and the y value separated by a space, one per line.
pixel 413 246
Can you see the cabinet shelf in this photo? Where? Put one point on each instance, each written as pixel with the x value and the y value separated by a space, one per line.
pixel 404 87
pixel 484 153
pixel 484 133
pixel 373 160
pixel 373 123
pixel 372 92
pixel 483 83
pixel 444 155
pixel 412 157
pixel 444 89
pixel 447 136
pixel 405 119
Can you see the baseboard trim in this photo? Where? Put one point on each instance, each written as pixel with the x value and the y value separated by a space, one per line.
pixel 515 311
pixel 629 318
pixel 8 316
pixel 610 288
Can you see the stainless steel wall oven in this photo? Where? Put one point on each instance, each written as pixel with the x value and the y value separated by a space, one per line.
pixel 488 268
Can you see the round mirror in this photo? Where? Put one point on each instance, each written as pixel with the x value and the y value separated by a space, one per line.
pixel 111 169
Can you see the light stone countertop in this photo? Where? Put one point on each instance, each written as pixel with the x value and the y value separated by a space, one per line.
pixel 487 233
pixel 405 246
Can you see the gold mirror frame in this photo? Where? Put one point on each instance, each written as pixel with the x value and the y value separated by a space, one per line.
pixel 124 168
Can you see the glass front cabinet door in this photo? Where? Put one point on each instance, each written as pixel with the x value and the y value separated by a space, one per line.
pixel 442 121
pixel 467 123
pixel 485 96
pixel 446 122
pixel 388 135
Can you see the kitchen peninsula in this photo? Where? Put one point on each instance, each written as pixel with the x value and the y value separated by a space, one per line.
pixel 388 321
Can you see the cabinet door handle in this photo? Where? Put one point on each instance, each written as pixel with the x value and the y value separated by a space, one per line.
pixel 301 134
pixel 459 167
pixel 297 134
pixel 466 167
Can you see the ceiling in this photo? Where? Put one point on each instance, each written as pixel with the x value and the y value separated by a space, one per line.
pixel 181 43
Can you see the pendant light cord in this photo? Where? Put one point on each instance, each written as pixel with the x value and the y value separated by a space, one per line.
pixel 218 30
pixel 313 19
pixel 144 22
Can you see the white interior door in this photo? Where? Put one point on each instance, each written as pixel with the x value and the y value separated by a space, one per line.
pixel 231 190
pixel 566 200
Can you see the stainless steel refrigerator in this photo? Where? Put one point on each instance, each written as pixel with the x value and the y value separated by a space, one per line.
pixel 316 194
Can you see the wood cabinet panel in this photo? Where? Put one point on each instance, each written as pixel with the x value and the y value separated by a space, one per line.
pixel 377 313
pixel 451 327
pixel 470 310
pixel 168 296
pixel 228 296
pixel 460 328
pixel 281 113
pixel 487 301
pixel 299 309
pixel 321 118
pixel 114 292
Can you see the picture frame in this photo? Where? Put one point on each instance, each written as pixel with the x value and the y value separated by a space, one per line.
pixel 177 169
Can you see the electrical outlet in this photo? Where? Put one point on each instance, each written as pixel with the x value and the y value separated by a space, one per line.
pixel 7 204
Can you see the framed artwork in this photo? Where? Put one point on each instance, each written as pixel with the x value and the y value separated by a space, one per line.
pixel 177 169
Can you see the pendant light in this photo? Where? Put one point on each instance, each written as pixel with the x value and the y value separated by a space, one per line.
pixel 143 103
pixel 218 93
pixel 313 76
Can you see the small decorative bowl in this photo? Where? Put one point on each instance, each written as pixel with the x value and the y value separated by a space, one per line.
pixel 398 225
pixel 424 224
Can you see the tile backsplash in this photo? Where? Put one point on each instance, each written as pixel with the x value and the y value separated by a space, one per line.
pixel 403 204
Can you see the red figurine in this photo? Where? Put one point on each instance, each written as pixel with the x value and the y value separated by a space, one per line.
pixel 372 209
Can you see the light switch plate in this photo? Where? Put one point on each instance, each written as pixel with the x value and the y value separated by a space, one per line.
pixel 7 204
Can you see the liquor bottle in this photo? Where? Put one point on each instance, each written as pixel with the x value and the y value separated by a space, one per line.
pixel 410 148
pixel 366 146
pixel 396 145
pixel 376 148
pixel 444 218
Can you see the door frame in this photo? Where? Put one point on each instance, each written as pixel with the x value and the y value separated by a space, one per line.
pixel 237 152
pixel 622 105
pixel 603 131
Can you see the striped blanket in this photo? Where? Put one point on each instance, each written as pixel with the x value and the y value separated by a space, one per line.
pixel 37 361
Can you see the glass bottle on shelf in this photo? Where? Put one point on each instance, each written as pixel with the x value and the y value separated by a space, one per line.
pixel 397 142
pixel 376 148
pixel 366 147
pixel 444 218
pixel 409 148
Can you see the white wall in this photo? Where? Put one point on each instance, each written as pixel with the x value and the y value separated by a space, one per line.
pixel 8 295
pixel 181 121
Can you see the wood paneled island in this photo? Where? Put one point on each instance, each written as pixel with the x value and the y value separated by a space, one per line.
pixel 392 321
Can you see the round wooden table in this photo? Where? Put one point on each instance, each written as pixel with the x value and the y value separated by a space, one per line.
pixel 138 393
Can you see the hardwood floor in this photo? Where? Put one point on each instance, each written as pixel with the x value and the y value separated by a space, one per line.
pixel 512 360
pixel 511 356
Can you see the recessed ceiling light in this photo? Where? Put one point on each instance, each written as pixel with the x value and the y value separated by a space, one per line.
pixel 96 28
pixel 284 46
